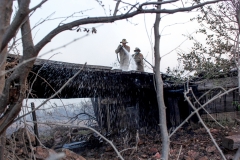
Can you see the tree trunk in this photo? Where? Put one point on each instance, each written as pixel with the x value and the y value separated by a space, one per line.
pixel 19 75
pixel 159 86
pixel 5 16
pixel 237 50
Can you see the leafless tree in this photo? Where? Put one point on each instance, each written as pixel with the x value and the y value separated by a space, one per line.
pixel 159 90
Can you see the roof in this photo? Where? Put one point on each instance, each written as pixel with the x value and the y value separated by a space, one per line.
pixel 92 81
pixel 48 76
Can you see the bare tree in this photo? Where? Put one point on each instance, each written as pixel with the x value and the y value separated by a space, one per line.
pixel 159 86
pixel 10 109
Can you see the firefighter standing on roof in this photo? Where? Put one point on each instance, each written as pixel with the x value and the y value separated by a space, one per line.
pixel 138 58
pixel 123 51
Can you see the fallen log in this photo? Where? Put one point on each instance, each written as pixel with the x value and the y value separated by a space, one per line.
pixel 231 142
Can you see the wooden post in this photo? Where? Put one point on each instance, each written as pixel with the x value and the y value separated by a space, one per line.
pixel 35 126
pixel 108 117
pixel 100 112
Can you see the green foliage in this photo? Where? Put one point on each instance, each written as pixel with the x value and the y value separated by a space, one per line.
pixel 237 104
pixel 214 56
pixel 178 75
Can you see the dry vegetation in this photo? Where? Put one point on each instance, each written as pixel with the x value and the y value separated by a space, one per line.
pixel 186 144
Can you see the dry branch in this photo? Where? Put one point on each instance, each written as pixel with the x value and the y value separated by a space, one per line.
pixel 204 125
pixel 69 80
pixel 197 110
pixel 86 127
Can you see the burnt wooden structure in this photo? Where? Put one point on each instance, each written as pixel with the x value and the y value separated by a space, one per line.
pixel 121 99
pixel 227 103
pixel 93 81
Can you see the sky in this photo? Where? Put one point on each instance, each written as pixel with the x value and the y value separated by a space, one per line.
pixel 99 49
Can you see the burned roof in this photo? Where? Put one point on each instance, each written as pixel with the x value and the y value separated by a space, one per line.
pixel 48 76
pixel 92 81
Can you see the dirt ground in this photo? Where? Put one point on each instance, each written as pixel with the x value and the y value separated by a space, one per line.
pixel 186 144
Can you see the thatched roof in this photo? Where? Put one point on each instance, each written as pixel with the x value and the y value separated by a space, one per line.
pixel 93 81
pixel 49 76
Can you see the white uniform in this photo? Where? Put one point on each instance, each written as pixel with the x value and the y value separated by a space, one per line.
pixel 124 56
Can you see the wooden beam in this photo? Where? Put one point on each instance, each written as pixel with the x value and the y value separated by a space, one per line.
pixel 228 82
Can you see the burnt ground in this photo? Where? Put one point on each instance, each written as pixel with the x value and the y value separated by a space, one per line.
pixel 186 144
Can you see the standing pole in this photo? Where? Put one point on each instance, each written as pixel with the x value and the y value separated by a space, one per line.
pixel 35 126
pixel 108 116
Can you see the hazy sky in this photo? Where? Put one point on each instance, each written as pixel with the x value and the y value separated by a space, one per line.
pixel 99 49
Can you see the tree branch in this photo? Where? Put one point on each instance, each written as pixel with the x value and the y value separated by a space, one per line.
pixel 204 125
pixel 21 14
pixel 156 3
pixel 116 8
pixel 56 93
pixel 205 104
pixel 38 6
pixel 111 19
pixel 86 127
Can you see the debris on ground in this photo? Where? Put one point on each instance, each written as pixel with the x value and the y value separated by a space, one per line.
pixel 80 144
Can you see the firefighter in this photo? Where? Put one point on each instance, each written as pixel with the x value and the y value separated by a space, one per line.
pixel 123 51
pixel 138 58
